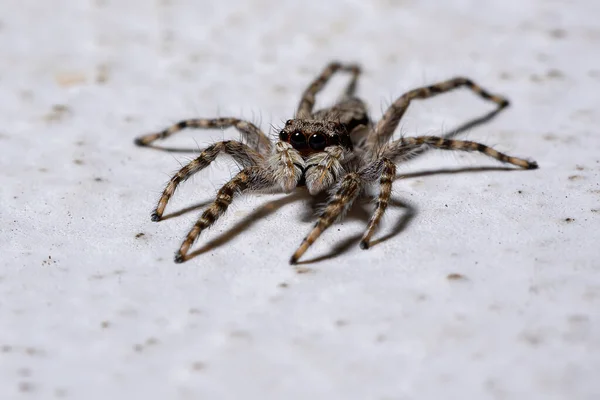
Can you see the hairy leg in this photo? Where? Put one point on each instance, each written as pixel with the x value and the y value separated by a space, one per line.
pixel 255 138
pixel 323 168
pixel 404 146
pixel 340 202
pixel 385 128
pixel 388 174
pixel 240 152
pixel 248 179
pixel 308 97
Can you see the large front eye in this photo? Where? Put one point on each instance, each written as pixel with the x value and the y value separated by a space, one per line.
pixel 317 141
pixel 298 140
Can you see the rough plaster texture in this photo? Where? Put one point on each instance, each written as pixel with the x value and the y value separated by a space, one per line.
pixel 487 287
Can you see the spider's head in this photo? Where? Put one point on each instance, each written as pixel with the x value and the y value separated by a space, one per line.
pixel 309 137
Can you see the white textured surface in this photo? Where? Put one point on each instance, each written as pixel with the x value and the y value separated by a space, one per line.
pixel 89 311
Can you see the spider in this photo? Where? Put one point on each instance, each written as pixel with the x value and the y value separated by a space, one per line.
pixel 337 149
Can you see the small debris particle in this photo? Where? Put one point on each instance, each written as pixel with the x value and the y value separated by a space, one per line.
pixel 138 348
pixel 456 277
pixel 105 324
pixel 340 323
pixel 98 179
pixel 304 270
pixel 78 161
pixel 194 311
pixel 198 366
pixel 283 285
pixel 558 33
pixel 57 113
pixel 67 79
pixel 139 235
pixel 575 177
pixel 26 387
pixel 102 74
pixel 555 74
pixel 569 219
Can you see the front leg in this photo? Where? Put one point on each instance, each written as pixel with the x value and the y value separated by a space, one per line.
pixel 252 178
pixel 324 168
pixel 348 190
pixel 286 165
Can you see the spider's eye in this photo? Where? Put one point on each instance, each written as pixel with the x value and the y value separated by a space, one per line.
pixel 317 141
pixel 298 140
pixel 283 136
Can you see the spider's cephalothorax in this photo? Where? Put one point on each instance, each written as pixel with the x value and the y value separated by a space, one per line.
pixel 313 136
pixel 336 149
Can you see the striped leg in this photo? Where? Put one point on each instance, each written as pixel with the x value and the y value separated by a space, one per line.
pixel 240 152
pixel 341 201
pixel 385 181
pixel 404 146
pixel 251 133
pixel 389 122
pixel 247 179
pixel 308 97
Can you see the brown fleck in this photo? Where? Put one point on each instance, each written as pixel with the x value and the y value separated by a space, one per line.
pixel 105 324
pixel 575 177
pixel 67 79
pixel 78 161
pixel 57 113
pixel 151 341
pixel 139 235
pixel 456 277
pixel 569 219
pixel 304 270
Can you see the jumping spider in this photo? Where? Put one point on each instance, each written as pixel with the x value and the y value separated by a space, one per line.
pixel 338 149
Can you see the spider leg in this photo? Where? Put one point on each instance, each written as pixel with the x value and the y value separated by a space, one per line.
pixel 248 179
pixel 386 178
pixel 286 166
pixel 323 168
pixel 385 128
pixel 401 147
pixel 251 133
pixel 308 97
pixel 339 203
pixel 240 152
